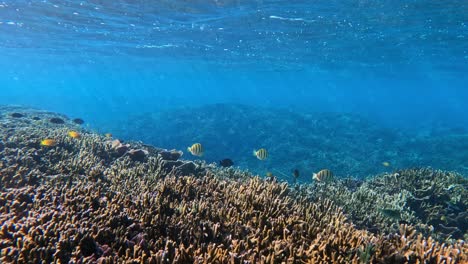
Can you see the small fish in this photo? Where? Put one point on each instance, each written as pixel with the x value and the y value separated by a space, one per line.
pixel 74 134
pixel 323 176
pixel 390 213
pixel 226 163
pixel 269 174
pixel 78 121
pixel 296 173
pixel 196 149
pixel 386 164
pixel 108 135
pixel 261 154
pixel 48 142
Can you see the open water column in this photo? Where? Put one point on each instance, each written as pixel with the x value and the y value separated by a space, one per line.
pixel 219 131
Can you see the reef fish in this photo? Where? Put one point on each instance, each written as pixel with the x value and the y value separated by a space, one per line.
pixel 48 142
pixel 108 135
pixel 74 134
pixel 196 149
pixel 226 163
pixel 296 173
pixel 386 164
pixel 323 175
pixel 261 154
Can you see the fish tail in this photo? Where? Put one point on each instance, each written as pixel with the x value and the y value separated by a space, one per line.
pixel 188 149
pixel 254 152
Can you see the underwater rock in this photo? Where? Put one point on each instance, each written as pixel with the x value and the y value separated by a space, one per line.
pixel 78 121
pixel 57 120
pixel 17 115
pixel 187 168
pixel 115 143
pixel 35 118
pixel 168 165
pixel 171 154
pixel 119 148
pixel 137 154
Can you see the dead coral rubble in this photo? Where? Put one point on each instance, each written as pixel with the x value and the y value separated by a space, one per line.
pixel 79 203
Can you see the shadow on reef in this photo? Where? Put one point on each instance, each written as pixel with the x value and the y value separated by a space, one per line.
pixel 347 144
pixel 84 201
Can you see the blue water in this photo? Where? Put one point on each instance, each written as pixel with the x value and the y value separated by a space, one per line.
pixel 401 63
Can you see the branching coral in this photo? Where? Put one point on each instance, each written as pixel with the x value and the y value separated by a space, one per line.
pixel 89 206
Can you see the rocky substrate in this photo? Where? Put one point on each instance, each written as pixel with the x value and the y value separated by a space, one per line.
pixel 86 200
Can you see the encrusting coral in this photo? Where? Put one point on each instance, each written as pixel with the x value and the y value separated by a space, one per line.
pixel 77 202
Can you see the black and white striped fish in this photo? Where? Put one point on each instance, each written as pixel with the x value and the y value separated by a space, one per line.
pixel 261 154
pixel 323 175
pixel 196 149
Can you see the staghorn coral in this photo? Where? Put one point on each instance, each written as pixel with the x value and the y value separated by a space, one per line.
pixel 433 201
pixel 88 206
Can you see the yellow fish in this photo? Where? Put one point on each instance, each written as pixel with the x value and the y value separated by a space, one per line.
pixel 386 163
pixel 196 149
pixel 261 154
pixel 48 142
pixel 108 135
pixel 323 175
pixel 269 174
pixel 74 134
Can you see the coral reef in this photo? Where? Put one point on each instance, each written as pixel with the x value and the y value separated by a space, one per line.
pixel 349 145
pixel 78 202
pixel 433 201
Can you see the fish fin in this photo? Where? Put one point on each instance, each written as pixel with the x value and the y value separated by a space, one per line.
pixel 188 149
pixel 254 152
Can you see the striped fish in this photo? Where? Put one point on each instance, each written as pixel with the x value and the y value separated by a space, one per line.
pixel 323 175
pixel 261 154
pixel 196 149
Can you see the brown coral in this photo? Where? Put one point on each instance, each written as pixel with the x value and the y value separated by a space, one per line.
pixel 88 206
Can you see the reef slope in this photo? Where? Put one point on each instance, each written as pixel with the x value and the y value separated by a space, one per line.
pixel 349 145
pixel 84 201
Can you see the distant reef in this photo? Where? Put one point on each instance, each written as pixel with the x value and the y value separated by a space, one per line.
pixel 68 195
pixel 349 145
